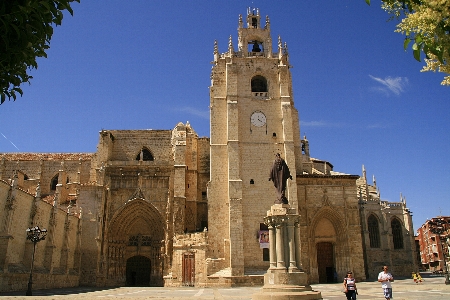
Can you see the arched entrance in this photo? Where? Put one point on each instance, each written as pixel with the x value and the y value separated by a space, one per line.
pixel 325 262
pixel 138 271
pixel 134 246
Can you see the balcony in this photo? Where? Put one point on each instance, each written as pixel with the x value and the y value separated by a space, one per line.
pixel 260 95
pixel 259 54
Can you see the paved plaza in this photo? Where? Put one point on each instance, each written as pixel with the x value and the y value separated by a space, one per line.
pixel 404 289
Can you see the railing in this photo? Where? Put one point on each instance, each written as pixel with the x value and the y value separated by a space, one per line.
pixel 262 54
pixel 249 54
pixel 260 95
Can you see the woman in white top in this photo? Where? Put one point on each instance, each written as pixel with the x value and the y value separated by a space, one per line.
pixel 350 286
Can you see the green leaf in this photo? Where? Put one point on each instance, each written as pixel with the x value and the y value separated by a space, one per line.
pixel 416 53
pixel 406 43
pixel 426 50
pixel 418 39
pixel 368 2
pixel 440 56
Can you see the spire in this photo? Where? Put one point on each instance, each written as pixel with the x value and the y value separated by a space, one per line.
pixel 267 23
pixel 230 46
pixel 374 181
pixel 364 172
pixel 38 192
pixel 280 48
pixel 216 47
pixel 240 22
pixel 216 51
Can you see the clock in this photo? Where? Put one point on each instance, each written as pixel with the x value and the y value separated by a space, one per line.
pixel 258 119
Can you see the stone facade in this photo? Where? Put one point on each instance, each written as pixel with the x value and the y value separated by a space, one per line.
pixel 167 207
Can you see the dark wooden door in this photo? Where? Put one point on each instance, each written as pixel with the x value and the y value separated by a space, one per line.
pixel 138 271
pixel 325 262
pixel 188 269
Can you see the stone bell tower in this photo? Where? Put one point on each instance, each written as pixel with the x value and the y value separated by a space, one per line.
pixel 252 119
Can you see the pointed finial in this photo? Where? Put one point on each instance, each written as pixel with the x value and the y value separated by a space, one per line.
pixel 279 43
pixel 285 48
pixel 240 21
pixel 216 47
pixel 267 23
pixel 38 191
pixel 230 45
pixel 374 181
pixel 364 171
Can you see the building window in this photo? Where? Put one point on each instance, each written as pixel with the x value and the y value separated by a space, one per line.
pixel 266 256
pixel 145 155
pixel 397 235
pixel 259 84
pixel 374 231
pixel 54 182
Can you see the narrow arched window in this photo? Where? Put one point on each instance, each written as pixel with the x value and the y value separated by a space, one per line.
pixel 145 155
pixel 397 235
pixel 259 84
pixel 54 182
pixel 374 231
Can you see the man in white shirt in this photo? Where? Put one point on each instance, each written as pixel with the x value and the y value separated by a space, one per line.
pixel 386 278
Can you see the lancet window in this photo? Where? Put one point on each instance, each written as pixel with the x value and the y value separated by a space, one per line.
pixel 397 234
pixel 374 231
pixel 145 155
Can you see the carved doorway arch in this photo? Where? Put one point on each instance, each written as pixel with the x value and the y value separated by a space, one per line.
pixel 135 237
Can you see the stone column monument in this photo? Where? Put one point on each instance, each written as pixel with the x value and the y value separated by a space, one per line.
pixel 285 278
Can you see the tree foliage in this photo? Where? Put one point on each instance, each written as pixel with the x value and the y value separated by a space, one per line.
pixel 25 33
pixel 426 26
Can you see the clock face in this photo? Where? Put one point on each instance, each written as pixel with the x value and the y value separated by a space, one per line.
pixel 258 119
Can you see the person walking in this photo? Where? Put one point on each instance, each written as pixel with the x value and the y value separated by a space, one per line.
pixel 350 286
pixel 386 278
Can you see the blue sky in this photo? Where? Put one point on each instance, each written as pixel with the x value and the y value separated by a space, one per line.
pixel 146 65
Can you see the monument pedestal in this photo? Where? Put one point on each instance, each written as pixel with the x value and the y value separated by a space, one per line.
pixel 285 278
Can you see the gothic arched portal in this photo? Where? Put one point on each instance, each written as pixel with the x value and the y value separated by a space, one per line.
pixel 134 240
pixel 329 241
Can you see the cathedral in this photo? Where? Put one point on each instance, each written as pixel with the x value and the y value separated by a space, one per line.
pixel 170 208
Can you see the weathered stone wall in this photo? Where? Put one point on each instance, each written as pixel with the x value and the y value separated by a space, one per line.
pixel 56 259
pixel 329 213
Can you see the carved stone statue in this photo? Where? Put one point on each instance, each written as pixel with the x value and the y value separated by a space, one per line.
pixel 279 175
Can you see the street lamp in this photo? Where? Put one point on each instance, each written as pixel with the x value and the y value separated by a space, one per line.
pixel 34 234
pixel 439 226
